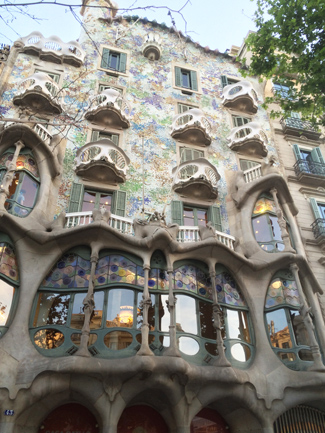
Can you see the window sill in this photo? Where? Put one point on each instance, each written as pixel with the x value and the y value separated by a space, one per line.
pixel 186 91
pixel 113 73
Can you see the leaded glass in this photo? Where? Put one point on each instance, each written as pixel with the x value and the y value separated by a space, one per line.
pixel 8 262
pixel 70 271
pixel 27 162
pixel 282 292
pixel 227 291
pixel 264 205
pixel 121 270
pixel 192 279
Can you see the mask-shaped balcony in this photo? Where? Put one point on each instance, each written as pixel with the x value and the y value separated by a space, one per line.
pixel 52 49
pixel 40 93
pixel 192 127
pixel 249 139
pixel 151 47
pixel 240 96
pixel 102 161
pixel 109 108
pixel 197 178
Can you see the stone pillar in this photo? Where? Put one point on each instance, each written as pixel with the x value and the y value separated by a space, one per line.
pixel 305 314
pixel 146 303
pixel 295 230
pixel 10 174
pixel 221 361
pixel 88 308
pixel 172 350
pixel 282 223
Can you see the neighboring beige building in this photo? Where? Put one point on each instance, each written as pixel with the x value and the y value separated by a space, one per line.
pixel 158 271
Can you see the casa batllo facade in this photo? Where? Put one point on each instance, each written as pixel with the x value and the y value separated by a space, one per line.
pixel 153 273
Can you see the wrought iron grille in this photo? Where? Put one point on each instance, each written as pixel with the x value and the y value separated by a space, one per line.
pixel 301 419
pixel 311 167
pixel 294 122
pixel 318 227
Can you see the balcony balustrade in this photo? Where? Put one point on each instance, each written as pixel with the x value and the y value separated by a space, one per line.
pixel 192 127
pixel 249 139
pixel 40 93
pixel 240 96
pixel 52 49
pixel 252 173
pixel 151 47
pixel 196 178
pixel 102 161
pixel 109 108
pixel 318 228
pixel 310 172
pixel 297 127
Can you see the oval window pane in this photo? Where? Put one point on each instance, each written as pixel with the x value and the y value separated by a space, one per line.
pixel 76 338
pixel 118 340
pixel 120 308
pixel 6 297
pixel 278 329
pixel 186 314
pixel 78 316
pixel 240 352
pixel 48 338
pixel 188 345
pixel 164 340
pixel 290 357
pixel 305 355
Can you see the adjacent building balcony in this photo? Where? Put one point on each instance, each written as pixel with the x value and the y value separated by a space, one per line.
pixel 310 172
pixel 318 228
pixel 249 139
pixel 102 161
pixel 151 47
pixel 109 108
pixel 40 93
pixel 197 178
pixel 192 127
pixel 52 49
pixel 297 127
pixel 240 96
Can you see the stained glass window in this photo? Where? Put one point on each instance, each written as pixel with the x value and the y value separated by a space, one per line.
pixel 70 271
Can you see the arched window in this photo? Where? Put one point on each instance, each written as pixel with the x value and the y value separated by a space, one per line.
pixel 25 185
pixel 266 226
pixel 301 419
pixel 285 327
pixel 142 419
pixel 9 281
pixel 207 421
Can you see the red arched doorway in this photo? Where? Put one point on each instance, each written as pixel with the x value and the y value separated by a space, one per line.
pixel 208 421
pixel 141 419
pixel 70 418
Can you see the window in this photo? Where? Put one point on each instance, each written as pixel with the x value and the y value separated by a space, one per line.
pixel 113 60
pixel 188 154
pixel 226 81
pixel 24 188
pixel 55 77
pixel 182 108
pixel 240 120
pixel 186 79
pixel 245 164
pixel 99 135
pixel 281 90
pixel 85 200
pixel 309 160
pixel 103 87
pixel 300 419
pixel 318 225
pixel 183 214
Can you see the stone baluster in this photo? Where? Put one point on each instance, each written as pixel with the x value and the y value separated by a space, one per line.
pixel 146 303
pixel 221 361
pixel 10 174
pixel 282 223
pixel 172 350
pixel 305 314
pixel 88 308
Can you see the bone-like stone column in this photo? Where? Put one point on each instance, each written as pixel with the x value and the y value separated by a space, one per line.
pixel 305 314
pixel 221 361
pixel 10 174
pixel 282 223
pixel 146 303
pixel 172 350
pixel 88 308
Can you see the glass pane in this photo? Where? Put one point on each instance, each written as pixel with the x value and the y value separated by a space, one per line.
pixel 51 309
pixel 164 340
pixel 78 316
pixel 8 262
pixel 27 162
pixel 211 348
pixel 6 297
pixel 164 317
pixel 261 229
pixel 240 352
pixel 305 355
pixel 105 200
pixel 289 356
pixel 114 61
pixel 151 313
pixel 275 228
pixel 278 329
pixel 264 205
pixel 186 314
pixel 120 308
pixel 118 340
pixel 208 421
pixel 202 217
pixel 206 321
pixel 28 191
pixel 185 79
pixel 89 200
pixel 233 325
pixel 188 345
pixel 299 329
pixel 188 216
pixel 48 338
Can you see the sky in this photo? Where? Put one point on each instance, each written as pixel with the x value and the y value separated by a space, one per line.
pixel 214 23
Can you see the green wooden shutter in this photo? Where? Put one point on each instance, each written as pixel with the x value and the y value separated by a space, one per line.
pixel 122 67
pixel 177 212
pixel 105 59
pixel 76 197
pixel 315 209
pixel 296 151
pixel 214 216
pixel 95 136
pixel 197 154
pixel 115 139
pixel 245 164
pixel 118 203
pixel 316 155
pixel 194 85
pixel 182 108
pixel 178 77
pixel 224 81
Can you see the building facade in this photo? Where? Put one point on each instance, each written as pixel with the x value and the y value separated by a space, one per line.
pixel 156 275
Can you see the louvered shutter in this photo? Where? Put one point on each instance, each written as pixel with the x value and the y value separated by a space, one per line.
pixel 115 139
pixel 315 209
pixel 214 216
pixel 296 151
pixel 224 81
pixel 197 154
pixel 95 136
pixel 178 77
pixel 177 212
pixel 245 164
pixel 194 85
pixel 316 155
pixel 105 59
pixel 182 108
pixel 122 67
pixel 76 197
pixel 118 203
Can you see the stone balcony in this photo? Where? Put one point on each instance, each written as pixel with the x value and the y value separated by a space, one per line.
pixel 151 47
pixel 52 49
pixel 240 96
pixel 297 128
pixel 40 93
pixel 197 178
pixel 109 108
pixel 249 139
pixel 101 161
pixel 310 172
pixel 192 127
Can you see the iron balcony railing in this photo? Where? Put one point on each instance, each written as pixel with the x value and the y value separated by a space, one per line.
pixel 309 167
pixel 318 227
pixel 296 126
